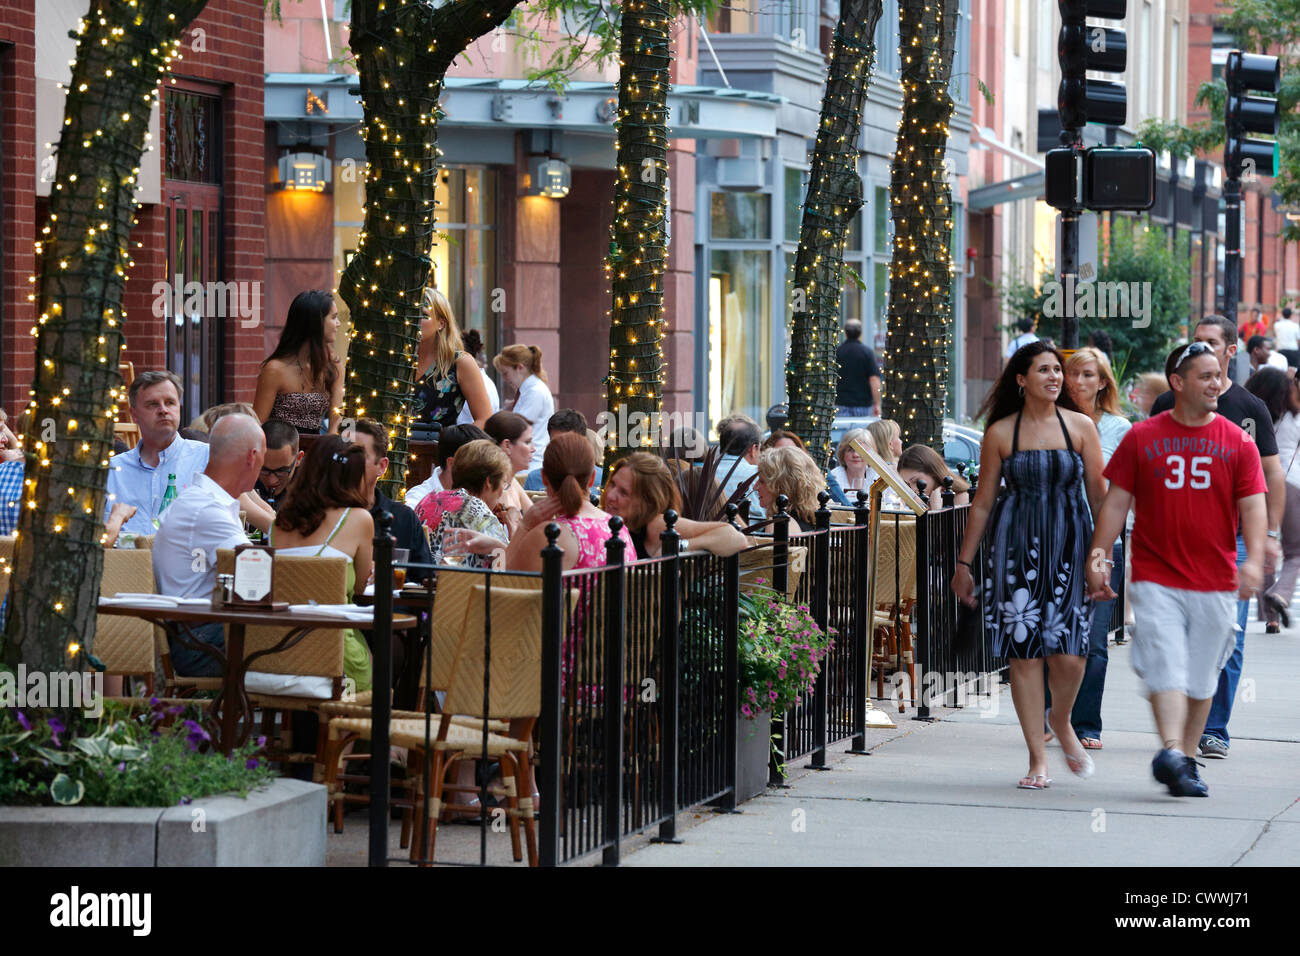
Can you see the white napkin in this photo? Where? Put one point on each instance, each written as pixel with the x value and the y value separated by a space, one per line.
pixel 370 591
pixel 132 597
pixel 347 612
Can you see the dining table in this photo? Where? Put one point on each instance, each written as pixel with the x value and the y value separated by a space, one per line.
pixel 232 702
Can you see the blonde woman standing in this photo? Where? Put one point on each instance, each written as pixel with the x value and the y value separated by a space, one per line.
pixel 447 377
pixel 521 367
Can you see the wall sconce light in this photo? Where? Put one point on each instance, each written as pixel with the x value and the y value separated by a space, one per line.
pixel 309 171
pixel 551 178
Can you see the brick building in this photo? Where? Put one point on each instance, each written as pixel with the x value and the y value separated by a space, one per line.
pixel 201 193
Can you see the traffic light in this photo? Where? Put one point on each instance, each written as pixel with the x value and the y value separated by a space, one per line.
pixel 1081 47
pixel 1244 157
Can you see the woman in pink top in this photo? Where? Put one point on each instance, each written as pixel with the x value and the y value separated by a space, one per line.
pixel 568 469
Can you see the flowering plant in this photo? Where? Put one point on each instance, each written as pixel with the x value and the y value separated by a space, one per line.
pixel 124 759
pixel 781 650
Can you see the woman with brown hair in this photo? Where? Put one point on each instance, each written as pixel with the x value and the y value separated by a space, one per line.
pixel 780 438
pixel 447 377
pixel 922 463
pixel 568 470
pixel 514 435
pixel 474 505
pixel 641 487
pixel 793 473
pixel 521 367
pixel 325 514
pixel 1036 602
pixel 301 382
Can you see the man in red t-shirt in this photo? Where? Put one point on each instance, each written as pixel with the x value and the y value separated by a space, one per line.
pixel 1187 473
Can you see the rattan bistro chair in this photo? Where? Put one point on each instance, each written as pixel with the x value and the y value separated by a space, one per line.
pixel 457 733
pixel 757 567
pixel 893 566
pixel 299 579
pixel 455 588
pixel 126 644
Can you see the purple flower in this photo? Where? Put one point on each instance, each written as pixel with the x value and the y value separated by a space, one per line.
pixel 177 710
pixel 251 763
pixel 184 801
pixel 24 723
pixel 197 735
pixel 261 741
pixel 56 728
pixel 121 767
pixel 154 703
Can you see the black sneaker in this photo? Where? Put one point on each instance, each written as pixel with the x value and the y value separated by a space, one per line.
pixel 1167 767
pixel 1190 783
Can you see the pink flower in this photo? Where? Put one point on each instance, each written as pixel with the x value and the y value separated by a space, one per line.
pixel 744 709
pixel 772 694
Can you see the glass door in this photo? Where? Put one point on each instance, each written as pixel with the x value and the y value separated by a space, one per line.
pixel 198 303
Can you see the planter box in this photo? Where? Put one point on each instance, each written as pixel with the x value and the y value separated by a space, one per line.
pixel 283 825
pixel 753 750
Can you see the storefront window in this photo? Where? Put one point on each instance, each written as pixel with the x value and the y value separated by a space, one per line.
pixel 884 227
pixel 794 195
pixel 740 321
pixel 741 215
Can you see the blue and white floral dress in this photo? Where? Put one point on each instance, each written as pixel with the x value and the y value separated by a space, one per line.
pixel 1035 589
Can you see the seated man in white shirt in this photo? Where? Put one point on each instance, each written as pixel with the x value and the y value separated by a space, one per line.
pixel 203 518
pixel 739 440
pixel 138 477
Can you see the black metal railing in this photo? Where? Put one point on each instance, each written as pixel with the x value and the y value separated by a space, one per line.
pixel 639 671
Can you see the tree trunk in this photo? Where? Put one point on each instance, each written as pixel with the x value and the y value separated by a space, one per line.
pixel 402 54
pixel 920 274
pixel 122 56
pixel 638 237
pixel 834 199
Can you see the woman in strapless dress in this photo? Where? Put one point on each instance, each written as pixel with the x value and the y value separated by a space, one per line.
pixel 301 382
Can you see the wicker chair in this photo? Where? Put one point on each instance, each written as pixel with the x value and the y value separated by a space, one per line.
pixel 299 579
pixel 759 563
pixel 126 644
pixel 451 599
pixel 515 695
pixel 893 569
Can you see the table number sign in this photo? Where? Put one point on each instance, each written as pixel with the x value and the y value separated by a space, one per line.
pixel 254 584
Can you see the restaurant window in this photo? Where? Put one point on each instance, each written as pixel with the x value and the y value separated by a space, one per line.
pixel 740 326
pixel 794 196
pixel 194 333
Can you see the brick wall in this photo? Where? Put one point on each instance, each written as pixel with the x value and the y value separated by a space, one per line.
pixel 17 193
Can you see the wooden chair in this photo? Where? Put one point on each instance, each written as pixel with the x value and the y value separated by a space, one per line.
pixel 144 542
pixel 126 645
pixel 299 579
pixel 515 696
pixel 893 570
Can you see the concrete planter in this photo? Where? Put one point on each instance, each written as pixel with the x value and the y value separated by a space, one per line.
pixel 283 825
pixel 753 750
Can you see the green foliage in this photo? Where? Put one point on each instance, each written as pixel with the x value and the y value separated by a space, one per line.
pixel 590 31
pixel 781 649
pixel 1134 254
pixel 123 759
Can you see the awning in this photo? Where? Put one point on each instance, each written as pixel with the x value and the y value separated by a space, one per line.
pixel 1008 190
pixel 695 112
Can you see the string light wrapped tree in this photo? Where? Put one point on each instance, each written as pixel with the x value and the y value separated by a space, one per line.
pixel 123 52
pixel 833 200
pixel 920 273
pixel 638 237
pixel 403 49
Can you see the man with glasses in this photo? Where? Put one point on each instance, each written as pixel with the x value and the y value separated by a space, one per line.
pixel 1250 414
pixel 282 458
pixel 1187 474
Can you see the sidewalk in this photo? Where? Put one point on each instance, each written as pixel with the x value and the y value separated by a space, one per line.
pixel 943 793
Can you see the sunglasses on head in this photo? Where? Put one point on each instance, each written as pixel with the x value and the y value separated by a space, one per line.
pixel 1193 350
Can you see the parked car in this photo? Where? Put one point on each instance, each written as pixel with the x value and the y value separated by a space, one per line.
pixel 961 443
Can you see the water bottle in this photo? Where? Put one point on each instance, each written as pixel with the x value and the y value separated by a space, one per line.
pixel 168 497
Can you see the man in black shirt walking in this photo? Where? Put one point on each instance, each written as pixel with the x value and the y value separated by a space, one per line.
pixel 859 389
pixel 1251 415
